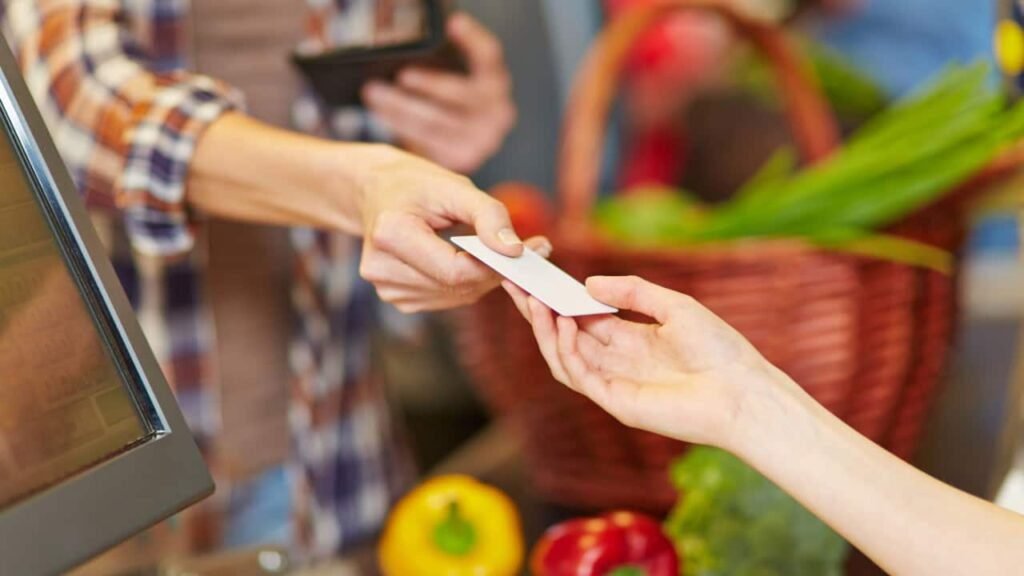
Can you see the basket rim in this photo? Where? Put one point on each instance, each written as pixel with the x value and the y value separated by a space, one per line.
pixel 741 250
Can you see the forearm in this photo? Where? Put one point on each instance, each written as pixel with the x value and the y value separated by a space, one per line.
pixel 904 520
pixel 246 170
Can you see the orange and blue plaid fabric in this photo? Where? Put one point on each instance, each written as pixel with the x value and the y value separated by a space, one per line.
pixel 112 81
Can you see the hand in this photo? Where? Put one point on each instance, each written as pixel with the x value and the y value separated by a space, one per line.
pixel 456 120
pixel 688 375
pixel 404 203
pixel 692 377
pixel 397 201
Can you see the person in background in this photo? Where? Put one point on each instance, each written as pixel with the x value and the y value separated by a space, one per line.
pixel 690 376
pixel 153 147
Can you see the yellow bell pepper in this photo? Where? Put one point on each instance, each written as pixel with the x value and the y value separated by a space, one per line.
pixel 452 526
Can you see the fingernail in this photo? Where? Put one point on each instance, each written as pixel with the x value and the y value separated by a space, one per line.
pixel 544 249
pixel 508 237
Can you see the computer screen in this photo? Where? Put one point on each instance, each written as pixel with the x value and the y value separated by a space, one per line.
pixel 63 407
pixel 93 447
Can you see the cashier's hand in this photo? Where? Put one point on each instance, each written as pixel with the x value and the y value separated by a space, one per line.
pixel 404 205
pixel 456 120
pixel 688 375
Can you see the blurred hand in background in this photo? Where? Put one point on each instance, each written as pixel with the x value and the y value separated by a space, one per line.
pixel 456 120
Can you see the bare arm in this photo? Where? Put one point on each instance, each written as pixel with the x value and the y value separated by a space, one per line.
pixel 906 521
pixel 692 377
pixel 246 170
pixel 170 144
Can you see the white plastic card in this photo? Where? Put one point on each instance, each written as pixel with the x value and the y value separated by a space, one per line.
pixel 539 278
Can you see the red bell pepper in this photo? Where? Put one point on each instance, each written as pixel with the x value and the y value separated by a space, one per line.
pixel 617 544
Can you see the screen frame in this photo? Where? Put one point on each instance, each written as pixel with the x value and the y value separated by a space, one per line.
pixel 66 524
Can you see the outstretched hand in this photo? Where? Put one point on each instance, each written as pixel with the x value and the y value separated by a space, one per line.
pixel 686 375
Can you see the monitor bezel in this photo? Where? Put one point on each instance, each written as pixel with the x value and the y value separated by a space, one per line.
pixel 64 525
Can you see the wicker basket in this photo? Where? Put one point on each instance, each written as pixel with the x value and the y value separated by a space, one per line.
pixel 867 338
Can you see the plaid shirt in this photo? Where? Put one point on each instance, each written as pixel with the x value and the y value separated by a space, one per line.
pixel 111 79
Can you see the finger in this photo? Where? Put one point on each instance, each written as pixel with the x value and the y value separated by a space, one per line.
pixel 432 303
pixel 584 379
pixel 411 116
pixel 541 245
pixel 547 339
pixel 494 226
pixel 394 294
pixel 519 298
pixel 457 91
pixel 606 327
pixel 468 205
pixel 593 351
pixel 633 293
pixel 463 153
pixel 620 339
pixel 418 305
pixel 452 90
pixel 609 362
pixel 382 269
pixel 490 219
pixel 414 243
pixel 483 51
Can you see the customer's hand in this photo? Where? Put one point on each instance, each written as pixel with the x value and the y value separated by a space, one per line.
pixel 405 201
pixel 456 120
pixel 688 375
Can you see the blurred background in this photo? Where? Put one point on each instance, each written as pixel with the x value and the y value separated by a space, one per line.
pixel 928 363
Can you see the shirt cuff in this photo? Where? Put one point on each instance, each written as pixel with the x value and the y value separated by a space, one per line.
pixel 158 151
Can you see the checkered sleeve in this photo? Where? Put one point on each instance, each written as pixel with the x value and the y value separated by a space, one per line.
pixel 125 121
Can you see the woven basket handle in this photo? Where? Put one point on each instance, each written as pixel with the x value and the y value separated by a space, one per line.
pixel 810 118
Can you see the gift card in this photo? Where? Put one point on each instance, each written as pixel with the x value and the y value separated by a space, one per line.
pixel 539 278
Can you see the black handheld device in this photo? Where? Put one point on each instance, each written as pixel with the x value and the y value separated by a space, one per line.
pixel 338 76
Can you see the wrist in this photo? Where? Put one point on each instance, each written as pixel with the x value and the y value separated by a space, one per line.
pixel 355 168
pixel 773 413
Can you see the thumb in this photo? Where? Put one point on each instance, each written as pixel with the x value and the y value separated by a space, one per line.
pixel 634 293
pixel 493 225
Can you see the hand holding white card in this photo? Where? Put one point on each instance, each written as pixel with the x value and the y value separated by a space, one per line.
pixel 538 277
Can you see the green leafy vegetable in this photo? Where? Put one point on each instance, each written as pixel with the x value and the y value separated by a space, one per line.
pixel 903 159
pixel 853 94
pixel 731 521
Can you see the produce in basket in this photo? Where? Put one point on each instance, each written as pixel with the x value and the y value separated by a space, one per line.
pixel 731 521
pixel 904 158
